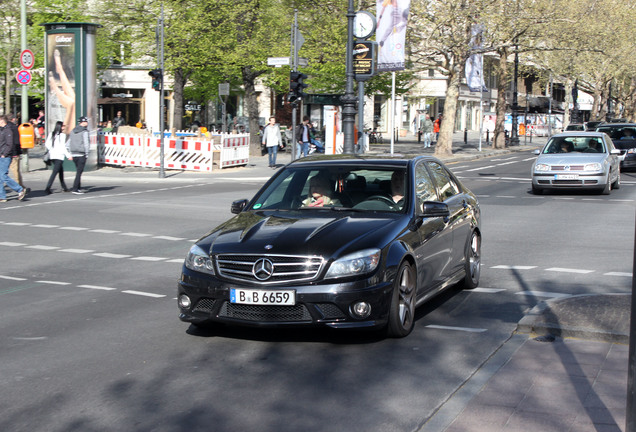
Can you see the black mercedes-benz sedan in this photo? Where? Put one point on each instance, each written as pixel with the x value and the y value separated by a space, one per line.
pixel 340 241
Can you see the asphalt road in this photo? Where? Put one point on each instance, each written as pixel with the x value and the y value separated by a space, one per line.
pixel 90 339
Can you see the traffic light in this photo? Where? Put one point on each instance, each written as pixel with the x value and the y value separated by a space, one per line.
pixel 157 77
pixel 296 86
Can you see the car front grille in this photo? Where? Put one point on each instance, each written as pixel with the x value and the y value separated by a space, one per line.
pixel 204 305
pixel 284 268
pixel 297 313
pixel 569 168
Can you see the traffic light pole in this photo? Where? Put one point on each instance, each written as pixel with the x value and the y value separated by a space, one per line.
pixel 162 173
pixel 349 99
pixel 294 68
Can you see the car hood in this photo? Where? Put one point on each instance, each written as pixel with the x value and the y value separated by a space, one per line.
pixel 572 158
pixel 302 234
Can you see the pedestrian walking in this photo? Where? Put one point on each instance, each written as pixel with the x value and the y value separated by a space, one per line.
pixel 119 120
pixel 6 150
pixel 56 145
pixel 426 127
pixel 14 168
pixel 437 124
pixel 303 136
pixel 272 139
pixel 78 146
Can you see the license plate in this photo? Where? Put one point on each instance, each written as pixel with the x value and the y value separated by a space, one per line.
pixel 263 297
pixel 566 177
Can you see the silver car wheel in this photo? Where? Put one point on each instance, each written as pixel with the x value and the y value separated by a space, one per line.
pixel 402 312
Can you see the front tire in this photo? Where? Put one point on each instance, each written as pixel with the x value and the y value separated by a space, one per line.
pixel 617 183
pixel 608 186
pixel 402 312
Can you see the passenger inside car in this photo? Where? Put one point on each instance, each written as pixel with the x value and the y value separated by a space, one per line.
pixel 594 146
pixel 397 186
pixel 320 193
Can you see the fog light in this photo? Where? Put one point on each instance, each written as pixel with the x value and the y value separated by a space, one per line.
pixel 184 301
pixel 361 310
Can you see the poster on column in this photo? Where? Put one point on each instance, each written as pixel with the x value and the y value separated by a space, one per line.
pixel 61 77
pixel 392 18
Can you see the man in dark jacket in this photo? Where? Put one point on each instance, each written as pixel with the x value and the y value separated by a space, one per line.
pixel 14 168
pixel 78 146
pixel 6 152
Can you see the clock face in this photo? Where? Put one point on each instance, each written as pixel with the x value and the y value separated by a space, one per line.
pixel 363 25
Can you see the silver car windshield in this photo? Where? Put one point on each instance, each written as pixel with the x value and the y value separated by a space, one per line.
pixel 575 144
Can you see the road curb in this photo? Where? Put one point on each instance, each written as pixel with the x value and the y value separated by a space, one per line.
pixel 546 318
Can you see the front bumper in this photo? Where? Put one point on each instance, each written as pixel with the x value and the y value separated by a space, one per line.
pixel 549 180
pixel 317 304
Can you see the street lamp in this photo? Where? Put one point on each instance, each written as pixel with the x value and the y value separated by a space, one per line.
pixel 349 99
pixel 514 136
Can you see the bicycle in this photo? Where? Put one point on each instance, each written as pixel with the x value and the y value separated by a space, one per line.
pixel 375 137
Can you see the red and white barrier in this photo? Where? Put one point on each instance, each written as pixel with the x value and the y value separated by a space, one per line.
pixel 185 153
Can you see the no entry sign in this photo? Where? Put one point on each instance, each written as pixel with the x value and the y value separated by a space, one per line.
pixel 23 77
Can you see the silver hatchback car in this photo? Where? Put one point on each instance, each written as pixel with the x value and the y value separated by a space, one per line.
pixel 577 160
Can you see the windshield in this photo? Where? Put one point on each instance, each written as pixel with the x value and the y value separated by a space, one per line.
pixel 336 188
pixel 575 144
pixel 618 132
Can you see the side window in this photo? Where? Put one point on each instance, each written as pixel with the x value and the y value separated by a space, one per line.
pixel 445 184
pixel 424 187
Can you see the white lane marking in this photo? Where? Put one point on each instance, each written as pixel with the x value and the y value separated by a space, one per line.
pixel 504 159
pixel 542 294
pixel 72 228
pixel 12 278
pixel 169 238
pixel 621 200
pixel 17 223
pixel 507 163
pixel 12 244
pixel 482 168
pixel 105 231
pixel 618 274
pixel 76 251
pixel 505 196
pixel 149 258
pixel 52 282
pixel 144 294
pixel 45 226
pixel 43 247
pixel 36 338
pixel 96 287
pixel 487 290
pixel 528 159
pixel 133 234
pixel 567 270
pixel 111 255
pixel 513 267
pixel 464 329
pixel 176 260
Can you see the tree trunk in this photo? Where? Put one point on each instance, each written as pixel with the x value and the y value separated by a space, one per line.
pixel 499 135
pixel 251 103
pixel 568 100
pixel 177 96
pixel 444 146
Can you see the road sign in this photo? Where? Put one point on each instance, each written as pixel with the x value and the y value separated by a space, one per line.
pixel 27 59
pixel 23 77
pixel 277 61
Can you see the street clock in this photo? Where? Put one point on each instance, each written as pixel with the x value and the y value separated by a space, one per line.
pixel 363 25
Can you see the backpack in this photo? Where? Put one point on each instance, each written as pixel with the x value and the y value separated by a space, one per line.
pixel 76 142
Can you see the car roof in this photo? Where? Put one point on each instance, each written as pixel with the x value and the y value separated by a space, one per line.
pixel 616 125
pixel 359 160
pixel 578 134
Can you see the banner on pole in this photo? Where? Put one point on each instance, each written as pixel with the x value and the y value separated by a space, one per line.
pixel 475 63
pixel 392 18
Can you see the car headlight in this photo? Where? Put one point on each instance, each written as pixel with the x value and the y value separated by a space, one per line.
pixel 631 150
pixel 593 167
pixel 542 167
pixel 364 261
pixel 198 260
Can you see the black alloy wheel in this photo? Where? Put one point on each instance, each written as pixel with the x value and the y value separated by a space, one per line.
pixel 402 313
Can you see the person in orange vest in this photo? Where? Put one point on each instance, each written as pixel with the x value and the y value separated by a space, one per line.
pixel 437 124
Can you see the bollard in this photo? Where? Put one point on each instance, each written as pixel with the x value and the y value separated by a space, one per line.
pixel 487 136
pixel 465 135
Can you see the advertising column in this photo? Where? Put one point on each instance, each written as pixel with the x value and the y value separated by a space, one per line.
pixel 71 84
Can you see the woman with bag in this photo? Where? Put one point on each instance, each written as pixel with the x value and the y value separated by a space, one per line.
pixel 56 146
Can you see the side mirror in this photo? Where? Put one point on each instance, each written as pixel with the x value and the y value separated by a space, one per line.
pixel 616 152
pixel 238 206
pixel 537 151
pixel 434 209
